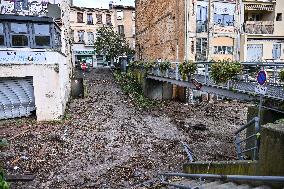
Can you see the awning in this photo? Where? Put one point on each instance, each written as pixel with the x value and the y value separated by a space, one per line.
pixel 259 7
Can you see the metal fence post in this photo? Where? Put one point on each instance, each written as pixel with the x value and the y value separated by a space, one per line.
pixel 238 147
pixel 257 141
pixel 274 75
pixel 177 71
pixel 206 73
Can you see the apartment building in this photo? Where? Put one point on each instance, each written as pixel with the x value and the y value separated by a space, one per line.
pixel 84 24
pixel 262 37
pixel 124 22
pixel 86 21
pixel 204 30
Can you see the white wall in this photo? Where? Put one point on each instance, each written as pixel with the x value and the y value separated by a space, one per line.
pixel 51 81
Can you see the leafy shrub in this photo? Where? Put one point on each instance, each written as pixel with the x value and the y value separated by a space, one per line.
pixel 164 66
pixel 223 71
pixel 135 64
pixel 3 183
pixel 131 87
pixel 187 68
pixel 281 75
pixel 149 65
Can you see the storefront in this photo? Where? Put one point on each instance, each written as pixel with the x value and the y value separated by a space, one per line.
pixel 84 56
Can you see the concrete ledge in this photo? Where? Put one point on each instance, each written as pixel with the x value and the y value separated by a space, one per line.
pixel 222 167
pixel 272 149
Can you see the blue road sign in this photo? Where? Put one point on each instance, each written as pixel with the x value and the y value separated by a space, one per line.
pixel 261 77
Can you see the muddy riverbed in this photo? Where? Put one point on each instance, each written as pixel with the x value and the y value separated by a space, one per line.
pixel 107 142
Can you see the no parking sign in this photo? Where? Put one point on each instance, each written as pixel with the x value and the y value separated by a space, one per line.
pixel 261 77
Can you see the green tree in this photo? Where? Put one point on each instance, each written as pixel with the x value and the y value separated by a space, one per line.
pixel 111 44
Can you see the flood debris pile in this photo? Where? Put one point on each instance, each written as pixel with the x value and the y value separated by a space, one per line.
pixel 107 142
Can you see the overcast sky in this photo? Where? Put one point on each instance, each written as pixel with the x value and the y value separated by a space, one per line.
pixel 100 3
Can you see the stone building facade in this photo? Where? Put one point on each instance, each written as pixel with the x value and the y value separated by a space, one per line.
pixel 204 30
pixel 84 24
pixel 124 22
pixel 160 29
pixel 86 21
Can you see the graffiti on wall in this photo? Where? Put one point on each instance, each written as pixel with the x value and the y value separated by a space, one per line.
pixel 21 57
pixel 25 7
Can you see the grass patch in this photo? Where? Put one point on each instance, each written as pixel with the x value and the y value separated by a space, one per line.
pixel 130 86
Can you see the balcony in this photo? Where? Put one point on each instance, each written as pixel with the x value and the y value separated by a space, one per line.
pixel 260 1
pixel 259 27
pixel 201 26
pixel 259 7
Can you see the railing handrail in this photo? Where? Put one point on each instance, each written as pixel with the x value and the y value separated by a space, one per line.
pixel 277 64
pixel 263 22
pixel 247 125
pixel 278 179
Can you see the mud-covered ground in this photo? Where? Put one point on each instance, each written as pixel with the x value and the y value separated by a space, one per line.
pixel 106 142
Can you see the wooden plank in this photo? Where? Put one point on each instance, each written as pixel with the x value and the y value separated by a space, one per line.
pixel 19 178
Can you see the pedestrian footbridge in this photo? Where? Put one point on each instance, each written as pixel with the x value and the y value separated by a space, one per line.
pixel 242 87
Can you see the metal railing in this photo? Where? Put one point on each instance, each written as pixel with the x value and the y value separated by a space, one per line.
pixel 226 178
pixel 259 27
pixel 243 83
pixel 242 145
pixel 201 26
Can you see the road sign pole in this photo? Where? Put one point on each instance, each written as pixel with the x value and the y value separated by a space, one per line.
pixel 260 106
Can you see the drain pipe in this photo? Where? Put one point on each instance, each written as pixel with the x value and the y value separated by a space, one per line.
pixel 186 28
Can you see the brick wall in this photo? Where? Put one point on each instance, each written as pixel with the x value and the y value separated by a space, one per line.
pixel 159 28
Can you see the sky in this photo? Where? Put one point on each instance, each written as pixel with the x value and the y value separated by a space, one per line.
pixel 101 3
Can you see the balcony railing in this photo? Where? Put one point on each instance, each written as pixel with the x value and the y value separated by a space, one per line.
pixel 256 1
pixel 259 27
pixel 201 26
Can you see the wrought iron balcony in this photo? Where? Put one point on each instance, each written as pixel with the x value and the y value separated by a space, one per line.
pixel 259 27
pixel 201 26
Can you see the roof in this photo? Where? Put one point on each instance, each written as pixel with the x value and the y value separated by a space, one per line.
pixel 89 9
pixel 123 7
pixel 25 18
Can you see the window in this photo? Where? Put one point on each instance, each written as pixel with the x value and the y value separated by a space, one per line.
pixel 80 17
pixel 255 17
pixel 57 40
pixel 224 20
pixel 201 19
pixel 99 18
pixel 108 20
pixel 42 35
pixel 121 29
pixel 81 36
pixel 254 52
pixel 133 15
pixel 276 51
pixel 201 49
pixel 2 42
pixel 90 20
pixel 19 34
pixel 133 29
pixel 227 50
pixel 119 15
pixel 279 17
pixel 90 38
pixel 72 35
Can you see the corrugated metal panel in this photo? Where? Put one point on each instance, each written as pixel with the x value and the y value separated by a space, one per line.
pixel 16 97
